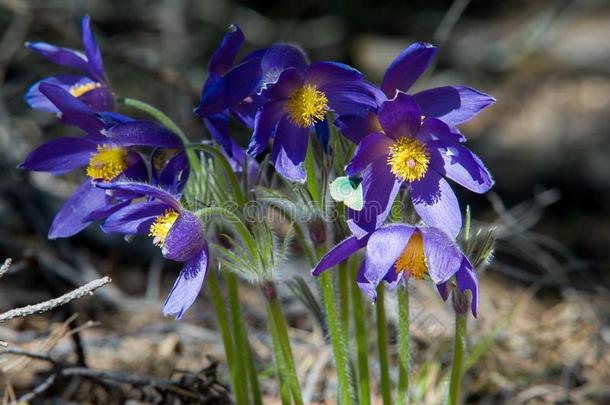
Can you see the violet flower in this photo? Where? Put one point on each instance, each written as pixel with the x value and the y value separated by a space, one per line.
pixel 105 151
pixel 91 88
pixel 417 152
pixel 298 103
pixel 177 231
pixel 397 252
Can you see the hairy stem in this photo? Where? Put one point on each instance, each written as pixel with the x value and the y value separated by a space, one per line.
pixel 382 343
pixel 403 345
pixel 459 347
pixel 361 341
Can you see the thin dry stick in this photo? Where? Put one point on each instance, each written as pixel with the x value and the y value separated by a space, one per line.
pixel 55 302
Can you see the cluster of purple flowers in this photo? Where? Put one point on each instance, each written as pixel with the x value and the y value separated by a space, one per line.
pixel 136 170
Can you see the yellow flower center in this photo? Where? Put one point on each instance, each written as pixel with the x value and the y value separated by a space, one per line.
pixel 408 159
pixel 307 105
pixel 80 89
pixel 107 163
pixel 412 259
pixel 163 223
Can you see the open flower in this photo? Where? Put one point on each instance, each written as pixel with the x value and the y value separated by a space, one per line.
pixel 92 88
pixel 454 105
pixel 398 252
pixel 298 103
pixel 418 152
pixel 178 232
pixel 106 154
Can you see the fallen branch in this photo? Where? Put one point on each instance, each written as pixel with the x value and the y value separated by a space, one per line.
pixel 55 302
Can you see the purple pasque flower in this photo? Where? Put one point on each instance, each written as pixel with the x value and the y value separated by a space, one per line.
pixel 398 252
pixel 91 88
pixel 419 153
pixel 105 151
pixel 298 102
pixel 177 231
pixel 453 105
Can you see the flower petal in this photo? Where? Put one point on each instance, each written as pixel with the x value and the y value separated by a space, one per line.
pixel 72 110
pixel 100 99
pixel 407 68
pixel 223 57
pixel 289 81
pixel 60 155
pixel 356 126
pixel 320 74
pixel 339 253
pixel 453 104
pixel 145 190
pixel 380 188
pixel 383 249
pixel 462 166
pixel 442 255
pixel 289 149
pixel 371 148
pixel 39 101
pixel 70 219
pixel 187 286
pixel 323 133
pixel 61 56
pixel 466 279
pixel 175 174
pixel 348 97
pixel 134 219
pixel 279 58
pixel 433 129
pixel 92 50
pixel 265 125
pixel 143 133
pixel 436 203
pixel 185 239
pixel 400 116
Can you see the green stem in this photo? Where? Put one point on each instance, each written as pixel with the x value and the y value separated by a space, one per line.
pixel 242 346
pixel 163 119
pixel 312 180
pixel 221 316
pixel 382 343
pixel 336 337
pixel 280 365
pixel 403 345
pixel 459 347
pixel 274 310
pixel 344 299
pixel 361 340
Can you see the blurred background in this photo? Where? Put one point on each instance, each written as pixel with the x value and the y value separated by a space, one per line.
pixel 545 304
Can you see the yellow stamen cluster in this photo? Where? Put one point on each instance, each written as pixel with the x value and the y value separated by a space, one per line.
pixel 163 223
pixel 80 89
pixel 408 159
pixel 307 105
pixel 412 259
pixel 107 163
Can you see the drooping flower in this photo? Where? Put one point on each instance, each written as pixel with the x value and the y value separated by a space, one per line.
pixel 298 103
pixel 418 152
pixel 177 231
pixel 105 152
pixel 397 252
pixel 91 88
pixel 454 105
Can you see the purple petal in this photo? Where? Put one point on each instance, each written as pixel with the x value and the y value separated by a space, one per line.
pixel 383 249
pixel 134 219
pixel 462 166
pixel 265 124
pixel 245 111
pixel 72 110
pixel 100 99
pixel 144 189
pixel 289 149
pixel 143 133
pixel 279 58
pixel 136 169
pixel 339 253
pixel 175 173
pixel 320 74
pixel 356 126
pixel 453 104
pixel 407 68
pixel 39 101
pixel 436 203
pixel 466 279
pixel 323 133
pixel 61 56
pixel 60 155
pixel 400 117
pixel 106 211
pixel 367 287
pixel 71 217
pixel 442 255
pixel 380 188
pixel 187 286
pixel 433 129
pixel 223 57
pixel 289 81
pixel 372 147
pixel 185 239
pixel 348 97
pixel 94 55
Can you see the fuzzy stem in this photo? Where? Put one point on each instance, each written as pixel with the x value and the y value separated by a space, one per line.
pixel 312 180
pixel 221 316
pixel 337 335
pixel 274 310
pixel 280 366
pixel 361 341
pixel 382 343
pixel 459 347
pixel 344 299
pixel 403 345
pixel 242 346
